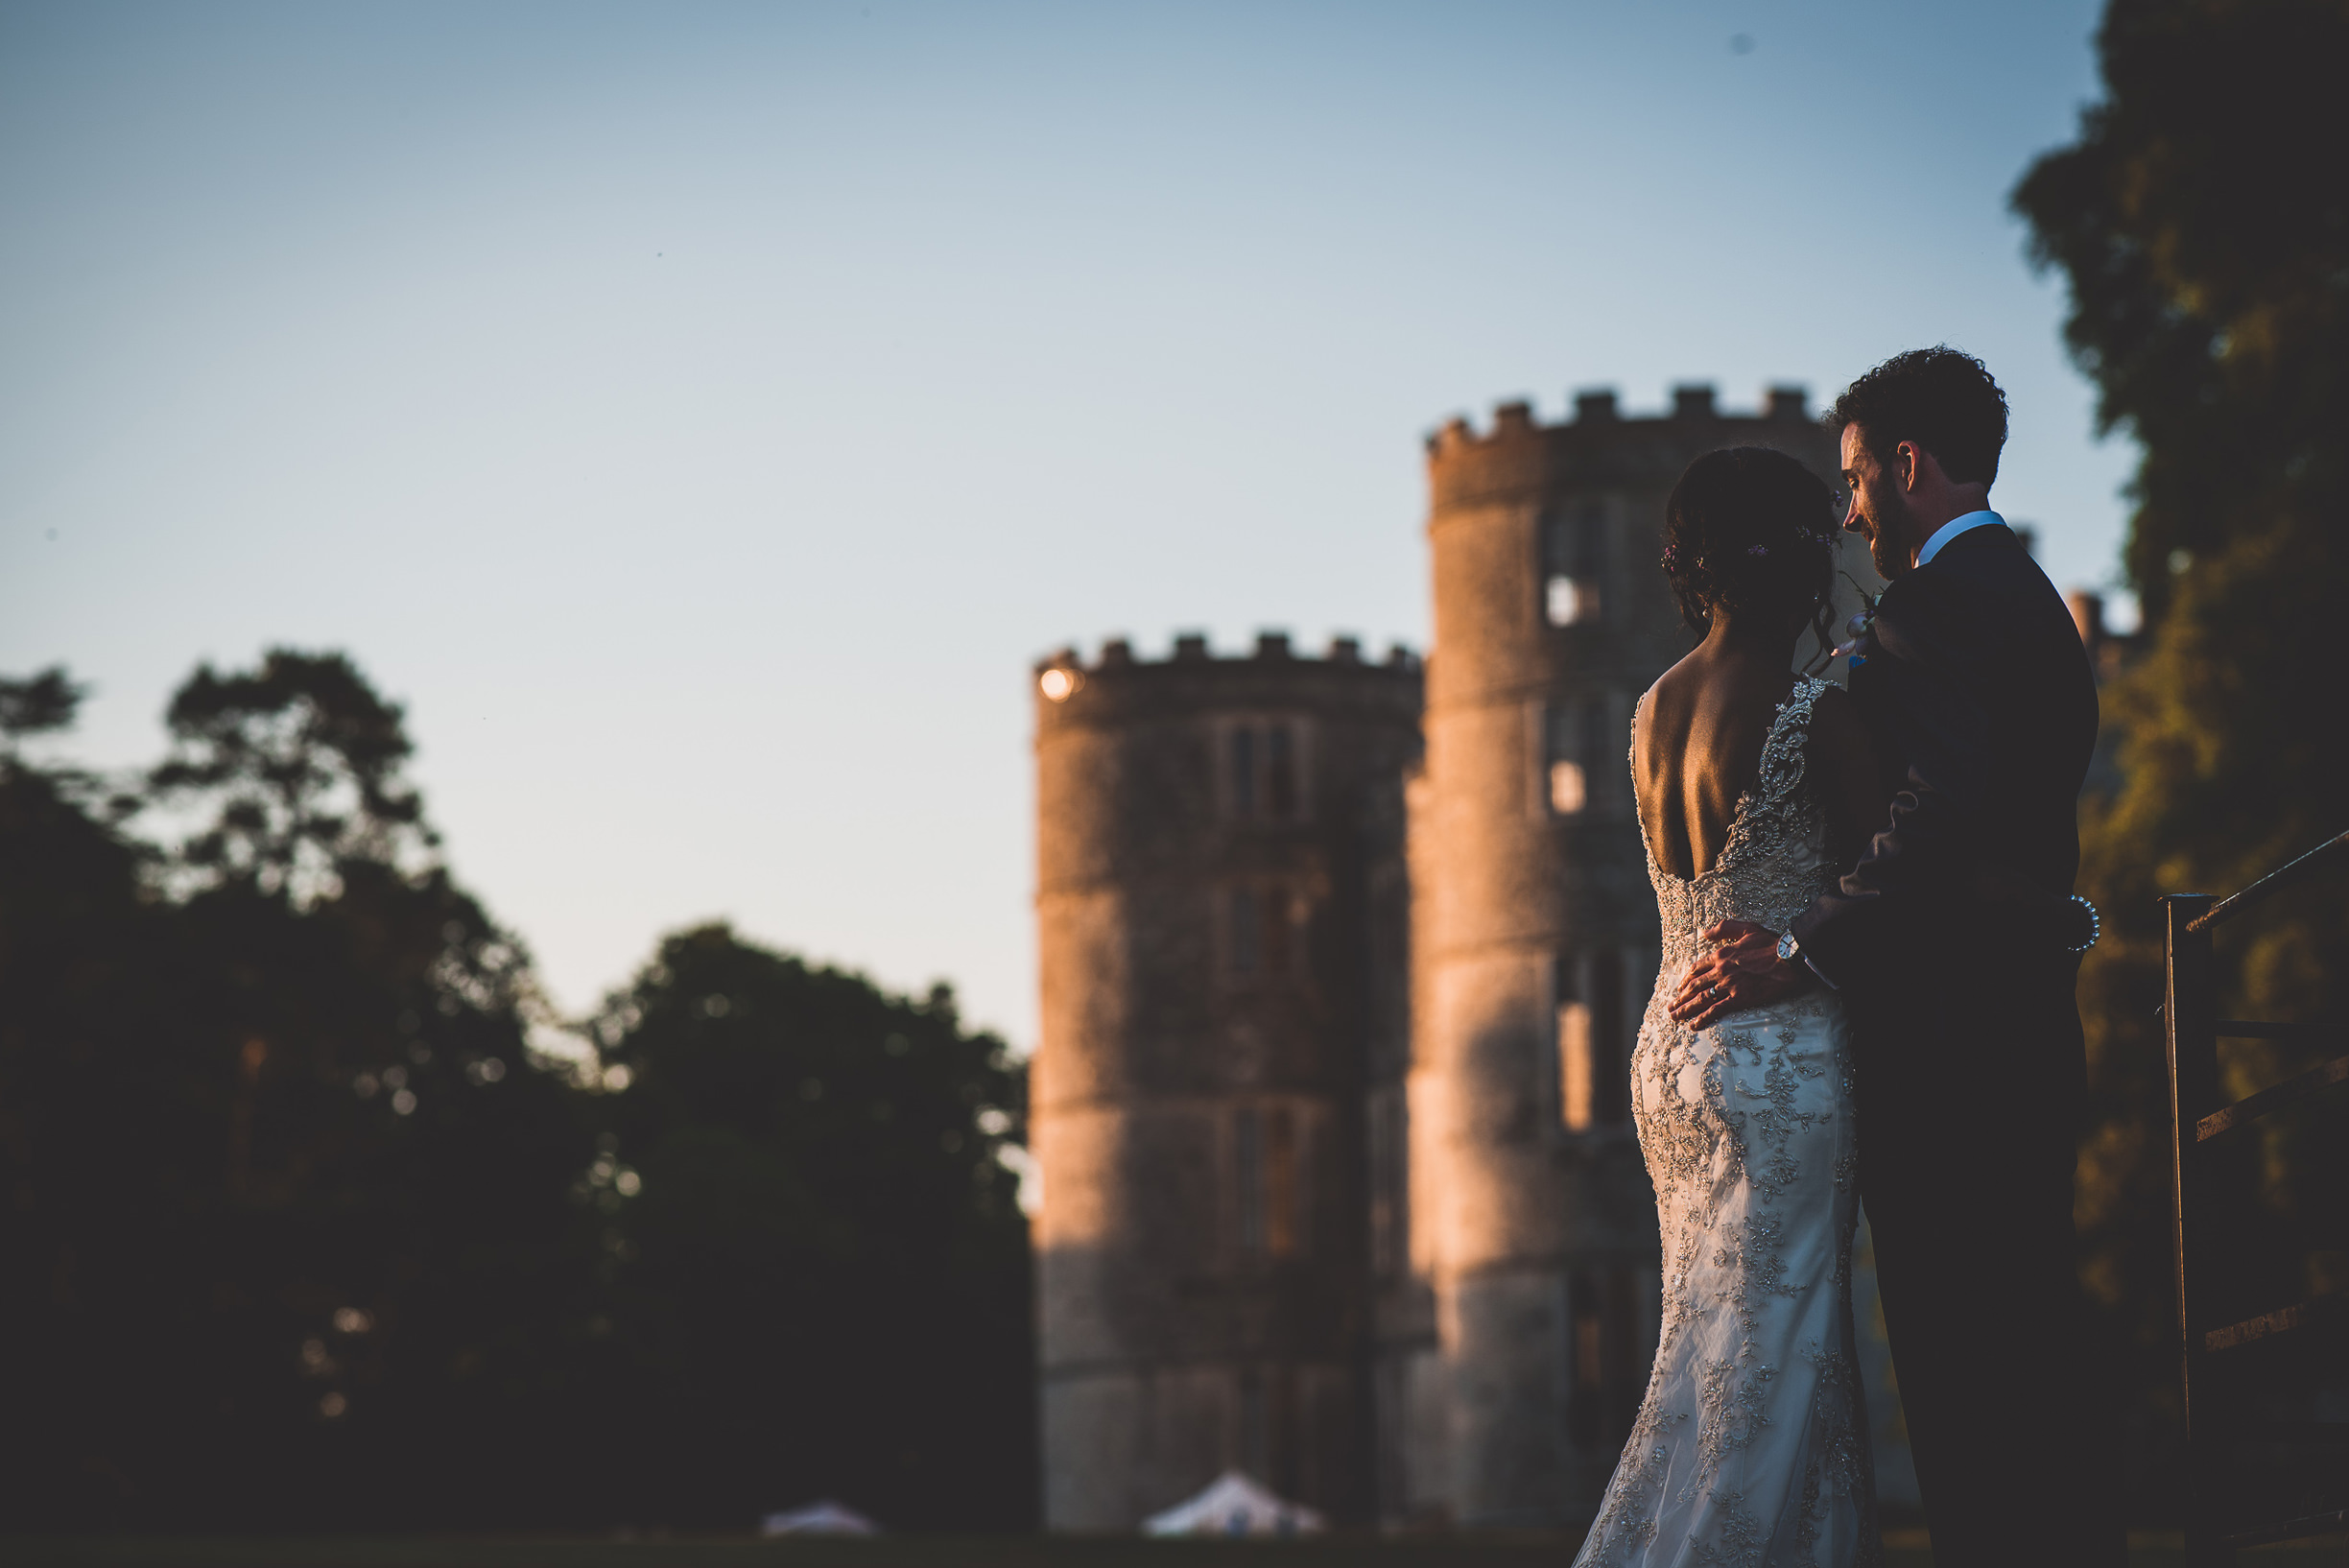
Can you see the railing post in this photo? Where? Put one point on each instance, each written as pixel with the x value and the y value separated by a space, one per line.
pixel 2190 1011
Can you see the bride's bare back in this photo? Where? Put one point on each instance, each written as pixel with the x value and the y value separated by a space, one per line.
pixel 1697 750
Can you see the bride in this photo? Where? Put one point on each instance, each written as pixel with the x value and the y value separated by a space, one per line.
pixel 1754 786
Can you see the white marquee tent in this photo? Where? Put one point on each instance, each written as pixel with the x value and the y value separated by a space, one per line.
pixel 823 1518
pixel 1233 1505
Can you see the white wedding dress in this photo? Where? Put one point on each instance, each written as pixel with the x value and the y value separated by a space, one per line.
pixel 1751 1446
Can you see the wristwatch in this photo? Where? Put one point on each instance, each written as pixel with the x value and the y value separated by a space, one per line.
pixel 1789 949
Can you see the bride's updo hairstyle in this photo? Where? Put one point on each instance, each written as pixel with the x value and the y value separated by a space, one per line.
pixel 1753 532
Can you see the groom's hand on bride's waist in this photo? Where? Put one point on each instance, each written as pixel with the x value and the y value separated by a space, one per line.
pixel 1741 969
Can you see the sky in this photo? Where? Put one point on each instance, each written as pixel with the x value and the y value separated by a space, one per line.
pixel 702 416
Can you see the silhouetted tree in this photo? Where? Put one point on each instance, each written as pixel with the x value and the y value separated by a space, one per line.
pixel 42 702
pixel 92 1309
pixel 280 1145
pixel 301 1234
pixel 824 1279
pixel 298 763
pixel 2202 221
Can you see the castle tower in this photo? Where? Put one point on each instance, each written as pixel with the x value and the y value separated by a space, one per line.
pixel 1222 911
pixel 1535 940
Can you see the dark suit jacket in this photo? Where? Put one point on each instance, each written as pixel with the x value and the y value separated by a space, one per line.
pixel 1970 1077
pixel 1983 708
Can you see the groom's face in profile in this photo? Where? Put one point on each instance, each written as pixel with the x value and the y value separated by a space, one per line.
pixel 1878 510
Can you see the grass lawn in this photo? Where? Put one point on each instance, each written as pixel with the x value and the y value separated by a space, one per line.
pixel 1906 1549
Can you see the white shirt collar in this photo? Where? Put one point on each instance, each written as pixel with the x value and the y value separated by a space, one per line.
pixel 1952 528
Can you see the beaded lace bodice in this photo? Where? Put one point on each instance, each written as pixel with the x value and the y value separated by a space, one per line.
pixel 1775 860
pixel 1751 1445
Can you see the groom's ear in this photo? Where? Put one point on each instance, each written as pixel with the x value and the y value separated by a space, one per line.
pixel 1912 468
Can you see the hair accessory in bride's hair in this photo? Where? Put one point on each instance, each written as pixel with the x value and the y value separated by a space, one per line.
pixel 1759 549
pixel 1672 556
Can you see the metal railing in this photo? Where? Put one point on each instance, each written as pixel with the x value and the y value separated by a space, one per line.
pixel 2220 1364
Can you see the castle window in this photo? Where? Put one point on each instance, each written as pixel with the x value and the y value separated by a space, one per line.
pixel 1603 1354
pixel 1255 1427
pixel 1569 776
pixel 1570 602
pixel 1279 932
pixel 1610 1040
pixel 1265 772
pixel 1577 748
pixel 1569 787
pixel 1280 773
pixel 1589 1347
pixel 1247 1177
pixel 1591 539
pixel 1594 1045
pixel 1282 1185
pixel 1268 1182
pixel 1574 565
pixel 1574 1052
pixel 1603 780
pixel 1387 1177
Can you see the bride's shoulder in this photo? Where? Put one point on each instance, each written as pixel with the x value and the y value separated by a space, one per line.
pixel 1666 694
pixel 1681 685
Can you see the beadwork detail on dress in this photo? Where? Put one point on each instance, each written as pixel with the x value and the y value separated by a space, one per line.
pixel 1751 1445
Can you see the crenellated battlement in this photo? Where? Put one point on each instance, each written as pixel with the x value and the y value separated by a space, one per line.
pixel 1598 412
pixel 1191 649
pixel 1116 687
pixel 1601 446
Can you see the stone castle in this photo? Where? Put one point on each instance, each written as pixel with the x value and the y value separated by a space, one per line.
pixel 1342 965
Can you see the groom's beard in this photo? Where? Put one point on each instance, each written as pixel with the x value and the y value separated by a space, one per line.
pixel 1889 530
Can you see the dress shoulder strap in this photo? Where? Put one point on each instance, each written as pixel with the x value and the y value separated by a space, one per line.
pixel 1786 745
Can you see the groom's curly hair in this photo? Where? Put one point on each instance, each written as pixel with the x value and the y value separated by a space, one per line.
pixel 1750 531
pixel 1942 398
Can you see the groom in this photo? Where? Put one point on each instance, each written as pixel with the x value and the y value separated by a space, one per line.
pixel 1970 1073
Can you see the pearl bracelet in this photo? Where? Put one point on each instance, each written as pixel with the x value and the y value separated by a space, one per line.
pixel 2095 925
